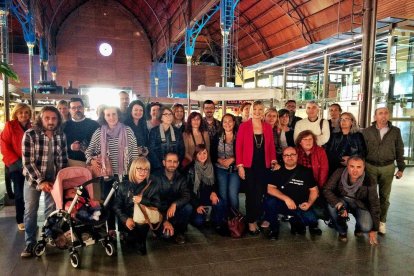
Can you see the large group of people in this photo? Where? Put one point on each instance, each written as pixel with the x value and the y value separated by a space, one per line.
pixel 192 171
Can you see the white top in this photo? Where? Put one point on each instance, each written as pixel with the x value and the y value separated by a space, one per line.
pixel 321 137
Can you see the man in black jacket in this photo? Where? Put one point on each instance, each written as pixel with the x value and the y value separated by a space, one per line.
pixel 350 190
pixel 175 197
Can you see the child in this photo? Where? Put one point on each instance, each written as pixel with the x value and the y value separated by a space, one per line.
pixel 83 210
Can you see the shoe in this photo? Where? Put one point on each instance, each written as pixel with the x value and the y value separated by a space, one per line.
pixel 254 233
pixel 179 239
pixel 382 228
pixel 297 228
pixel 28 251
pixel 315 231
pixel 342 237
pixel 273 235
pixel 20 226
pixel 142 248
pixel 358 233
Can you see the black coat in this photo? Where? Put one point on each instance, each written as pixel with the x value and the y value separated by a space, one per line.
pixel 200 198
pixel 175 191
pixel 123 204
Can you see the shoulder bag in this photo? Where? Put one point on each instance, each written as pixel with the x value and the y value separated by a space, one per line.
pixel 147 215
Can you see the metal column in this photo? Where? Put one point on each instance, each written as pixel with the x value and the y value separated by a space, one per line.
pixel 188 83
pixel 325 76
pixel 368 56
pixel 284 90
pixel 31 77
pixel 5 58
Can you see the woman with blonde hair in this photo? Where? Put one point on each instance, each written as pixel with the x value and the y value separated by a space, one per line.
pixel 255 153
pixel 137 190
pixel 11 149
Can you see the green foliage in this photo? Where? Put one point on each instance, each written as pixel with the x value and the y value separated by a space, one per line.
pixel 8 71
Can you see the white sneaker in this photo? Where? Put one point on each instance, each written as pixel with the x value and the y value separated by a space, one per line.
pixel 382 229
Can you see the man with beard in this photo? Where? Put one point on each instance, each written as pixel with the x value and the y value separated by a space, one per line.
pixel 175 198
pixel 211 124
pixel 78 131
pixel 44 155
pixel 291 106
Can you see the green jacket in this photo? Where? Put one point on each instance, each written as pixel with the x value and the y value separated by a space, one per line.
pixel 386 151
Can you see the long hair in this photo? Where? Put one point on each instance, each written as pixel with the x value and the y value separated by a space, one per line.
pixel 354 126
pixel 19 107
pixel 174 109
pixel 38 122
pixel 199 148
pixel 273 109
pixel 255 103
pixel 140 162
pixel 101 118
pixel 189 128
pixel 131 106
pixel 304 134
pixel 162 110
pixel 234 121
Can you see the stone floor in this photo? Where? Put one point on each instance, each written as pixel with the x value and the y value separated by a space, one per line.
pixel 206 253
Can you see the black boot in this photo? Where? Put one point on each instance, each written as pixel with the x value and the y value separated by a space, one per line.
pixel 297 227
pixel 142 248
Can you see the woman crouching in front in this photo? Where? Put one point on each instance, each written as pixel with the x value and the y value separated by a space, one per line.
pixel 138 190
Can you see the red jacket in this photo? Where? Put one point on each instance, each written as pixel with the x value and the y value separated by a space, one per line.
pixel 320 164
pixel 245 144
pixel 11 142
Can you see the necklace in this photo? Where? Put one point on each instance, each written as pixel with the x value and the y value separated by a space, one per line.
pixel 258 145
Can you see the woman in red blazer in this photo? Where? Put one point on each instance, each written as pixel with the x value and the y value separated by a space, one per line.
pixel 255 153
pixel 11 148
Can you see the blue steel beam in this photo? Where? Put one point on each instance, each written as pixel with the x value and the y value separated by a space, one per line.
pixel 25 17
pixel 192 33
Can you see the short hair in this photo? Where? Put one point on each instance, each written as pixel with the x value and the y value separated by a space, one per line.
pixel 73 100
pixel 290 101
pixel 283 111
pixel 149 106
pixel 304 134
pixel 39 124
pixel 123 92
pixel 19 107
pixel 271 109
pixel 62 102
pixel 337 105
pixel 254 104
pixel 354 126
pixel 243 105
pixel 208 102
pixel 283 150
pixel 313 102
pixel 355 158
pixel 199 148
pixel 171 153
pixel 140 162
pixel 382 107
pixel 101 119
pixel 188 127
pixel 162 109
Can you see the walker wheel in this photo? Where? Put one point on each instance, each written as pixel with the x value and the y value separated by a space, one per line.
pixel 75 259
pixel 39 249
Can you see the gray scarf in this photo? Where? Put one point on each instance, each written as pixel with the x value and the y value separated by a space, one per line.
pixel 203 174
pixel 353 188
pixel 162 134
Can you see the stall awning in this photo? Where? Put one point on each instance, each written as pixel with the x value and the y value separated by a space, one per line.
pixel 234 94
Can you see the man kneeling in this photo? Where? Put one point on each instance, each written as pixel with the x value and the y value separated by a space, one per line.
pixel 350 190
pixel 292 191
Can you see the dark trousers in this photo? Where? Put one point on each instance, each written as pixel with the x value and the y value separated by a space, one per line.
pixel 138 234
pixel 218 213
pixel 181 218
pixel 274 207
pixel 255 191
pixel 18 184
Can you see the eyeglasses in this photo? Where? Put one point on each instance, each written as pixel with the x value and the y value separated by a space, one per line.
pixel 346 119
pixel 76 107
pixel 142 170
pixel 289 155
pixel 166 114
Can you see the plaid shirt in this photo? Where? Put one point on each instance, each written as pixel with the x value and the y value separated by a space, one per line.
pixel 303 159
pixel 35 153
pixel 213 128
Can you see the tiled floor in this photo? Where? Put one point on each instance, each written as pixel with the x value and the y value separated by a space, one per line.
pixel 209 254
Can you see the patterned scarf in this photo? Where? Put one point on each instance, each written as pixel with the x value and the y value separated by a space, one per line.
pixel 119 131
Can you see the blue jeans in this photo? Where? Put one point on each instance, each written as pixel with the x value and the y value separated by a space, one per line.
pixel 228 187
pixel 362 217
pixel 217 215
pixel 181 218
pixel 31 200
pixel 274 206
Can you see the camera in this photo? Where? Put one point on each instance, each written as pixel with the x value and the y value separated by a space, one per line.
pixel 231 168
pixel 341 211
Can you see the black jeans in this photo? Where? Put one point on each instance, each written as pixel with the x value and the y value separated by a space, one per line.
pixel 18 184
